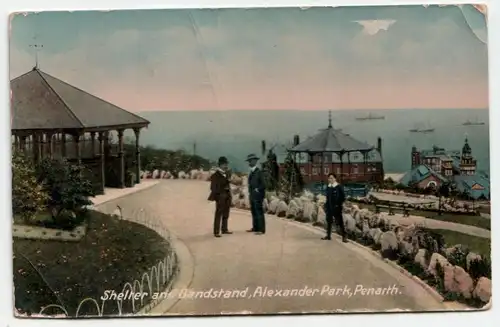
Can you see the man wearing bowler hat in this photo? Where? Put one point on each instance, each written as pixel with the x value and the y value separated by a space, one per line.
pixel 220 193
pixel 256 191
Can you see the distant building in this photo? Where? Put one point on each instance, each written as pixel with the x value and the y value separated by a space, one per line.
pixel 423 177
pixel 332 151
pixel 446 163
pixel 431 168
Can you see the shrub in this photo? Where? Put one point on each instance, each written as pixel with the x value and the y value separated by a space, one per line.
pixel 68 189
pixel 28 196
pixel 130 179
pixel 480 268
pixel 458 257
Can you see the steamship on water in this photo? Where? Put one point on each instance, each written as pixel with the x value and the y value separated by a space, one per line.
pixel 371 116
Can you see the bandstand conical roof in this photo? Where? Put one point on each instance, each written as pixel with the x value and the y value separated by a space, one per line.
pixel 331 140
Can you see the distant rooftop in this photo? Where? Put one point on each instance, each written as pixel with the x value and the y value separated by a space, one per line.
pixel 418 174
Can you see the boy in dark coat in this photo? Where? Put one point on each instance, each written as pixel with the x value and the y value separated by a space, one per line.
pixel 335 198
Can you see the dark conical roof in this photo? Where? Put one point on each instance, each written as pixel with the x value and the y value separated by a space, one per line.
pixel 41 101
pixel 331 140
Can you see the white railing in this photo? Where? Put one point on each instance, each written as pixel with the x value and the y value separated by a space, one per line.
pixel 158 279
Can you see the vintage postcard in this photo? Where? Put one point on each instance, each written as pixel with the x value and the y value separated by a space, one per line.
pixel 250 161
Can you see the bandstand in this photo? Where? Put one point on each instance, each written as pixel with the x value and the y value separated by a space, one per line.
pixel 332 151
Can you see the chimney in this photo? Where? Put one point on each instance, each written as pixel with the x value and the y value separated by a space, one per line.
pixel 379 145
pixel 263 147
pixel 296 140
pixel 415 157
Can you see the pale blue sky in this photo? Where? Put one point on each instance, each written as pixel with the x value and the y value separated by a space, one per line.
pixel 282 58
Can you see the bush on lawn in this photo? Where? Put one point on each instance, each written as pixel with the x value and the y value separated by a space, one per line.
pixel 28 195
pixel 68 190
pixel 480 268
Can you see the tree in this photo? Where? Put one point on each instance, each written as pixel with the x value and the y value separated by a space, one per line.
pixel 271 171
pixel 291 182
pixel 442 191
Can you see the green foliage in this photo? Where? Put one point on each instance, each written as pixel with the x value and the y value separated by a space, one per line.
pixel 458 257
pixel 28 195
pixel 480 268
pixel 130 178
pixel 270 169
pixel 68 188
pixel 439 277
pixel 430 240
pixel 291 183
pixel 168 160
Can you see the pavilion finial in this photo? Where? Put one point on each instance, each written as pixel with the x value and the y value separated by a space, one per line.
pixel 329 119
pixel 37 48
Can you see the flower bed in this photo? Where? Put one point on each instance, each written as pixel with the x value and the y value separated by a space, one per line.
pixel 454 271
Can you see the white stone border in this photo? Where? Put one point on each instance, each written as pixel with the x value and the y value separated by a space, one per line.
pixel 48 234
pixel 433 292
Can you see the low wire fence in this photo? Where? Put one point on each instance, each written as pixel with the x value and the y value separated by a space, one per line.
pixel 157 280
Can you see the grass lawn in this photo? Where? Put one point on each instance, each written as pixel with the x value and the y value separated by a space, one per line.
pixel 476 221
pixel 475 244
pixel 112 253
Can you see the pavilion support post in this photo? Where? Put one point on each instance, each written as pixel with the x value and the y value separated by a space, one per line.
pixel 341 156
pixel 43 143
pixel 22 143
pixel 365 168
pixel 92 143
pixel 322 173
pixel 63 144
pixel 102 136
pixel 107 150
pixel 50 150
pixel 36 146
pixel 311 161
pixel 76 140
pixel 137 132
pixel 16 142
pixel 121 157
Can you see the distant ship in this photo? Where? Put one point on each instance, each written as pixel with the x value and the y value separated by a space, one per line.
pixel 473 123
pixel 423 130
pixel 371 117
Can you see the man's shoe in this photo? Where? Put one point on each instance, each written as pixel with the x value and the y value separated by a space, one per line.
pixel 227 232
pixel 250 230
pixel 217 235
pixel 326 238
pixel 259 233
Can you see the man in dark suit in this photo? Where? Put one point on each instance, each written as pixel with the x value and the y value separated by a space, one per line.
pixel 220 193
pixel 256 191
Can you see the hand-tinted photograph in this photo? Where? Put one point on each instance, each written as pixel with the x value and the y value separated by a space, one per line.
pixel 207 162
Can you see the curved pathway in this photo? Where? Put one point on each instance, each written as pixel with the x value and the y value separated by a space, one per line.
pixel 439 224
pixel 288 258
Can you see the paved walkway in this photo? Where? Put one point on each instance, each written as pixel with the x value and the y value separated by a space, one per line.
pixel 290 256
pixel 439 224
pixel 113 193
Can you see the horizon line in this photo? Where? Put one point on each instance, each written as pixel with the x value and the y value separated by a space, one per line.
pixel 313 110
